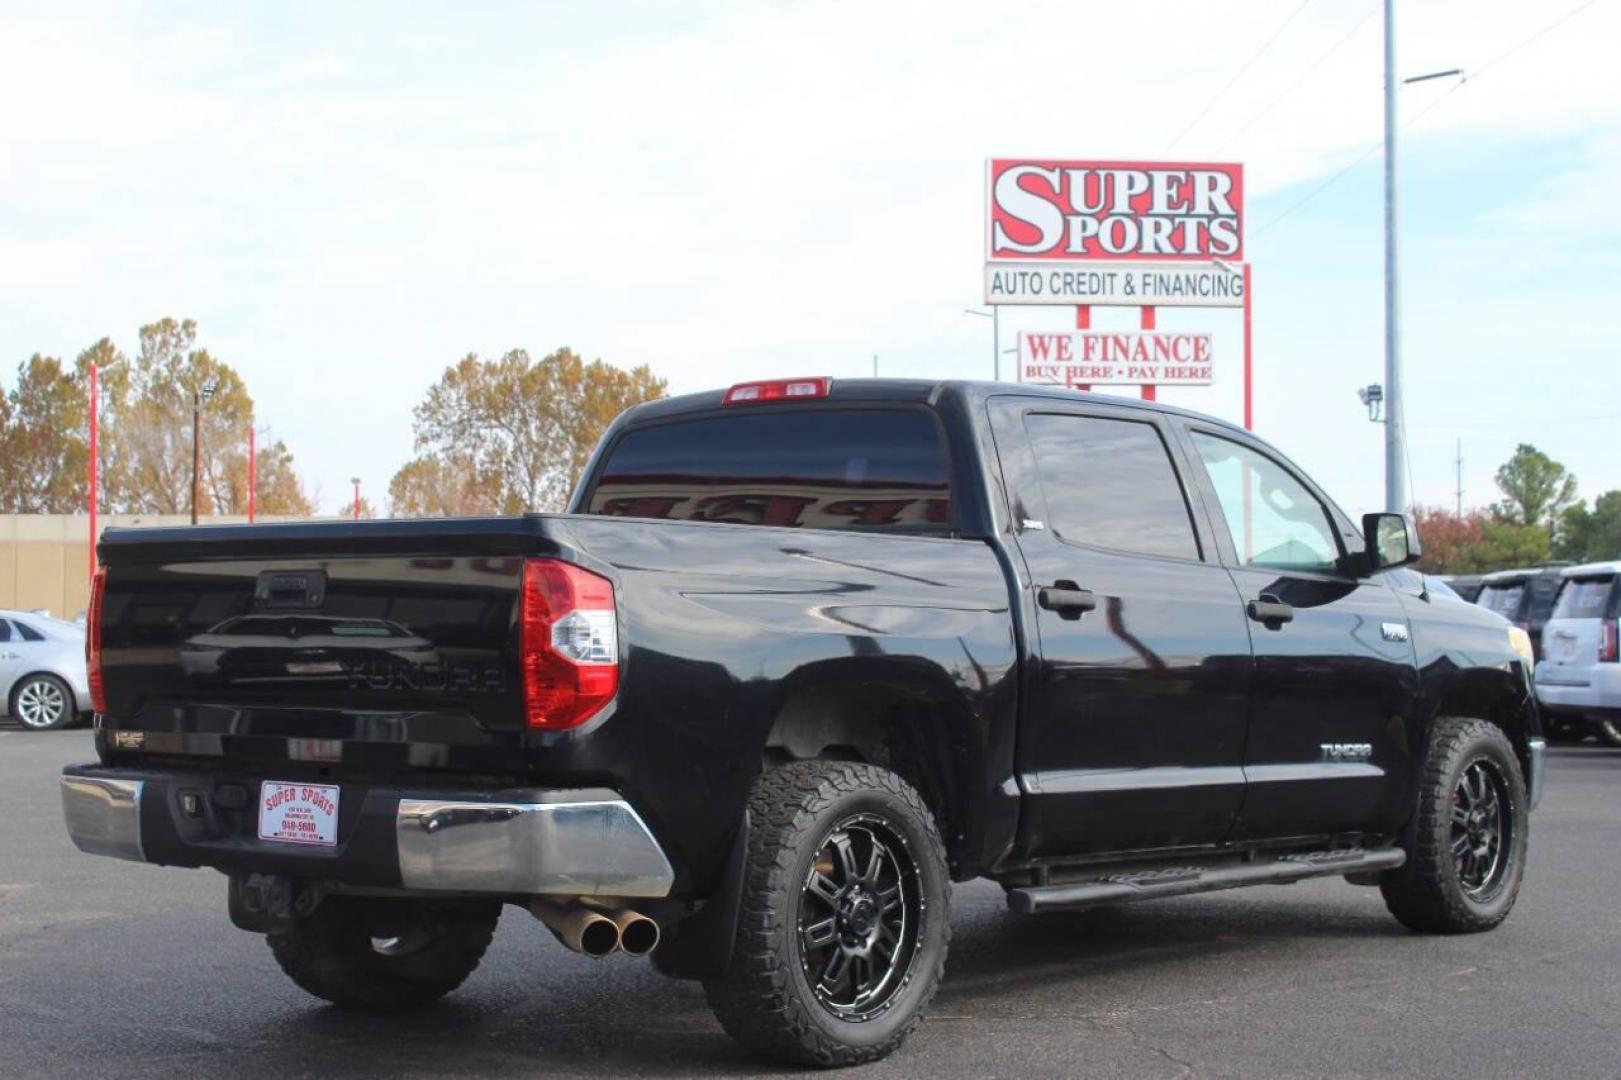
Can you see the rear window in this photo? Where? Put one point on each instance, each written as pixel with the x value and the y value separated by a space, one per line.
pixel 869 469
pixel 1584 598
pixel 1503 599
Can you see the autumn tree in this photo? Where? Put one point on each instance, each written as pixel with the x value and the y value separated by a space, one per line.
pixel 146 433
pixel 43 440
pixel 510 435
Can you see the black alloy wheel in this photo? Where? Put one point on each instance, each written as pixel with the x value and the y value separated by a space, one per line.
pixel 1480 829
pixel 858 919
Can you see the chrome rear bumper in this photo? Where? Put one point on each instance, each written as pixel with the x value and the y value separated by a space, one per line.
pixel 577 842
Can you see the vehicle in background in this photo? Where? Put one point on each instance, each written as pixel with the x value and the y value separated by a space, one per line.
pixel 1579 677
pixel 1464 586
pixel 43 682
pixel 1524 597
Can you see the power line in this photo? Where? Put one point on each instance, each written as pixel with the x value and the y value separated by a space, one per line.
pixel 1431 107
pixel 1211 104
pixel 1311 69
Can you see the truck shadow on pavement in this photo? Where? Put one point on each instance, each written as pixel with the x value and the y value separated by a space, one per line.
pixel 619 1018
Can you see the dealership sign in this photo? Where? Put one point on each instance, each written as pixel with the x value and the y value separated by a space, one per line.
pixel 1114 233
pixel 1102 359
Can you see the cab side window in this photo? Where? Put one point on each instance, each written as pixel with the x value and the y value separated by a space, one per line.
pixel 1110 484
pixel 1275 522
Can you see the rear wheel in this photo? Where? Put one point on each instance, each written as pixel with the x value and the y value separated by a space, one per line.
pixel 843 931
pixel 43 703
pixel 385 953
pixel 1466 843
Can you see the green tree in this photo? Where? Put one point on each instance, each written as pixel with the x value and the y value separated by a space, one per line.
pixel 1537 490
pixel 1505 545
pixel 509 435
pixel 1593 535
pixel 44 440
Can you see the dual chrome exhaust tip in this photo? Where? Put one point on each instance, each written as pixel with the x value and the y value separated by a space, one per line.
pixel 597 931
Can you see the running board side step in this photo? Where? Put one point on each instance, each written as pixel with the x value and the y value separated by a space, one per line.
pixel 1181 881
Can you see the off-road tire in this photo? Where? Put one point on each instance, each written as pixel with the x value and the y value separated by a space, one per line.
pixel 765 999
pixel 42 687
pixel 1427 894
pixel 331 953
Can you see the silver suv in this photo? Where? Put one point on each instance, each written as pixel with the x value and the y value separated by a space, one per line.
pixel 1579 676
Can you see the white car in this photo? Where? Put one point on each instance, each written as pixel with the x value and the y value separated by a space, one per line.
pixel 1579 677
pixel 43 680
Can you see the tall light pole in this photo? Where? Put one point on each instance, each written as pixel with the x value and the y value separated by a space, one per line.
pixel 1395 401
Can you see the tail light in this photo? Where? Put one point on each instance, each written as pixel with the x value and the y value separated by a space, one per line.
pixel 1609 640
pixel 777 390
pixel 569 644
pixel 92 641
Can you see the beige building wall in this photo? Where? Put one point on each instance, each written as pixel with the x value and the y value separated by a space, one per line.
pixel 45 558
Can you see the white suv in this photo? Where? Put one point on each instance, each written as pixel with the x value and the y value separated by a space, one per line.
pixel 1579 677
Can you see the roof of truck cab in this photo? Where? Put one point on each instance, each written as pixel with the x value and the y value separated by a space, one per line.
pixel 912 391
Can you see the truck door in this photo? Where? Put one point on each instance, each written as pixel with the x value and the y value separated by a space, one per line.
pixel 1335 684
pixel 1133 730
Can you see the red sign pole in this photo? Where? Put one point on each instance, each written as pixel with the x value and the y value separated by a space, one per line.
pixel 1249 367
pixel 1149 322
pixel 1083 321
pixel 94 395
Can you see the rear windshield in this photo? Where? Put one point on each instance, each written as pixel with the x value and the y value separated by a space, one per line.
pixel 1584 598
pixel 1503 599
pixel 868 469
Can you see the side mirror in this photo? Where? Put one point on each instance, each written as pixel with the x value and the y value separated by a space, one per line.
pixel 1389 540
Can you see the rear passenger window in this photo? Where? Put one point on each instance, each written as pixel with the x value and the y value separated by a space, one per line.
pixel 5 630
pixel 1584 598
pixel 28 632
pixel 1111 484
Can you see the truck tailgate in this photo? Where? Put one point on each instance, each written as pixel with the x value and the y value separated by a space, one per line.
pixel 365 643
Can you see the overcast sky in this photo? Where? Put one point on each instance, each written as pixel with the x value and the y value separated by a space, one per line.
pixel 350 197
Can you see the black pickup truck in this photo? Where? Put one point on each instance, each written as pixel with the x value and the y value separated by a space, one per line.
pixel 801 654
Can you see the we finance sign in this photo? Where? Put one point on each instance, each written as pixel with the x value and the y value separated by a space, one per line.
pixel 1114 232
pixel 1099 359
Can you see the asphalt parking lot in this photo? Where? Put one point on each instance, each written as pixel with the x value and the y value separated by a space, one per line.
pixel 114 969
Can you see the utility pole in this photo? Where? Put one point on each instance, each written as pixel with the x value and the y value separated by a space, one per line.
pixel 1395 398
pixel 355 480
pixel 875 365
pixel 196 446
pixel 996 341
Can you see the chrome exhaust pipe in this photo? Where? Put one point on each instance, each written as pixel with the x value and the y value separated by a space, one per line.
pixel 578 927
pixel 638 935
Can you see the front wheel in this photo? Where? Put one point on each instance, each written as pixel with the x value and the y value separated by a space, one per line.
pixel 1466 842
pixel 367 953
pixel 845 917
